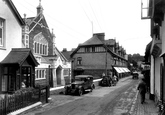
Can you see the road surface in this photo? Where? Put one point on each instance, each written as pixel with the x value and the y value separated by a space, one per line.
pixel 115 100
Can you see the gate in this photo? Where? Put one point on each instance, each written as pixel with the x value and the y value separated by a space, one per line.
pixel 44 93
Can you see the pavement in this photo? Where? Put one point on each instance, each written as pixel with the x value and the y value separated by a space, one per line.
pixel 148 108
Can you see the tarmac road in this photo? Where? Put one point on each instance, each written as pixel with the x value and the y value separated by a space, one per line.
pixel 115 100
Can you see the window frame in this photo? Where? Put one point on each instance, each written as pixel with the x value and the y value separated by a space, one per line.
pixel 3 33
pixel 79 60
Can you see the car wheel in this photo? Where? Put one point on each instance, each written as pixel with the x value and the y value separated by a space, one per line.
pixel 66 92
pixel 93 86
pixel 80 92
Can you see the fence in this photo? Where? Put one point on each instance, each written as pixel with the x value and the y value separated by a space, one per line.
pixel 22 99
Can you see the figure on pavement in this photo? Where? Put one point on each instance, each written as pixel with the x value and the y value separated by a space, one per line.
pixel 142 90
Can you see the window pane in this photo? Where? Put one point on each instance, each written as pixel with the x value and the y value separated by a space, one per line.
pixel 1 39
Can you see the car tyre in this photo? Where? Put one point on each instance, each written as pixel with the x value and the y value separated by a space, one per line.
pixel 80 92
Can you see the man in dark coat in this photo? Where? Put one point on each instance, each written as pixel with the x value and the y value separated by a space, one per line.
pixel 142 90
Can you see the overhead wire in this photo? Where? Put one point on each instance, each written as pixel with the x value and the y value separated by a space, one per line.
pixel 95 15
pixel 54 19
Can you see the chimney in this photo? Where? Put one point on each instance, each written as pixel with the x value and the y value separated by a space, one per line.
pixel 64 50
pixel 39 8
pixel 100 36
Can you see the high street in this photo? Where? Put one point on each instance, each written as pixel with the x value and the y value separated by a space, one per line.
pixel 115 100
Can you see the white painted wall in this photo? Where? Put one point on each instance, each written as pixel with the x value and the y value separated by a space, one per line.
pixel 13 30
pixel 157 77
pixel 162 35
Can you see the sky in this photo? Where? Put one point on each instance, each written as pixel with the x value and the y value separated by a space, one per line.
pixel 75 21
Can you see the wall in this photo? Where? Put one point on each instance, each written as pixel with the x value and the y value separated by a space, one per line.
pixel 94 63
pixel 13 30
pixel 94 60
pixel 157 78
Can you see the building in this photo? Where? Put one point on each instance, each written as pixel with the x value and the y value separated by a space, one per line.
pixel 98 56
pixel 10 36
pixel 16 62
pixel 155 54
pixel 53 67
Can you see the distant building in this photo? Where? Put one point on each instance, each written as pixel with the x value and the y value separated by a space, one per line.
pixel 98 56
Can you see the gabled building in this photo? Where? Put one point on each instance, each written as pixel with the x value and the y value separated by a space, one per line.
pixel 52 64
pixel 155 55
pixel 96 57
pixel 16 63
pixel 11 25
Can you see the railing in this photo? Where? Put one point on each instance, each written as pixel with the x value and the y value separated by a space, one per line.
pixel 18 100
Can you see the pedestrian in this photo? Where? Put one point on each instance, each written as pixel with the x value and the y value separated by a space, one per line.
pixel 142 90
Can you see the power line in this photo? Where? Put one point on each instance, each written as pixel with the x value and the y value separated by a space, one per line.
pixel 58 21
pixel 95 15
pixel 49 22
pixel 87 17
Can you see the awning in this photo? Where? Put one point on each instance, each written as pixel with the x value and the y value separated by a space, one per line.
pixel 122 70
pixel 119 70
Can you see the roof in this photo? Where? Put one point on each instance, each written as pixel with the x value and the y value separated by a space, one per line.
pixel 15 12
pixel 110 42
pixel 67 54
pixel 92 41
pixel 18 56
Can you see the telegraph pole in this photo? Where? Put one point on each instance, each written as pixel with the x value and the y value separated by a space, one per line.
pixel 106 62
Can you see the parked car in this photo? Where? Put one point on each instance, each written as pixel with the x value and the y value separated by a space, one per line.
pixel 106 81
pixel 81 83
pixel 135 75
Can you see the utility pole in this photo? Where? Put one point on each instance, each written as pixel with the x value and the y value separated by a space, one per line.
pixel 106 61
pixel 92 27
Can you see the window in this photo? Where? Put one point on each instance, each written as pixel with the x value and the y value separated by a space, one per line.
pixel 27 41
pixel 66 72
pixel 40 74
pixel 35 47
pixel 87 49
pixel 79 61
pixel 2 39
pixel 93 49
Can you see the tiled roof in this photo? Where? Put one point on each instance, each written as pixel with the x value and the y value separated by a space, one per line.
pixel 67 54
pixel 110 42
pixel 92 41
pixel 15 12
pixel 18 56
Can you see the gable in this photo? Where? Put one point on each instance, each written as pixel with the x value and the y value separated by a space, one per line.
pixel 13 10
pixel 40 38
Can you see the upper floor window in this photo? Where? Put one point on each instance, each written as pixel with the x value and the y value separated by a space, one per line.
pixel 2 38
pixel 87 49
pixel 40 48
pixel 25 40
pixel 79 61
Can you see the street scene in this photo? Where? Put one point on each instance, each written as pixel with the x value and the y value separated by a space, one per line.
pixel 121 99
pixel 82 57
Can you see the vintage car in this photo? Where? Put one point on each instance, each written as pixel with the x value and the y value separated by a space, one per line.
pixel 135 75
pixel 80 84
pixel 106 81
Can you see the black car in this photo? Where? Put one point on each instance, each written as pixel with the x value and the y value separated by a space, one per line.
pixel 106 81
pixel 81 83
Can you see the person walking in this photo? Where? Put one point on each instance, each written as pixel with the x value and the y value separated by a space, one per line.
pixel 142 90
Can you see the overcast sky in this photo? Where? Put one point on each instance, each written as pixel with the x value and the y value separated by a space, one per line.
pixel 72 21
